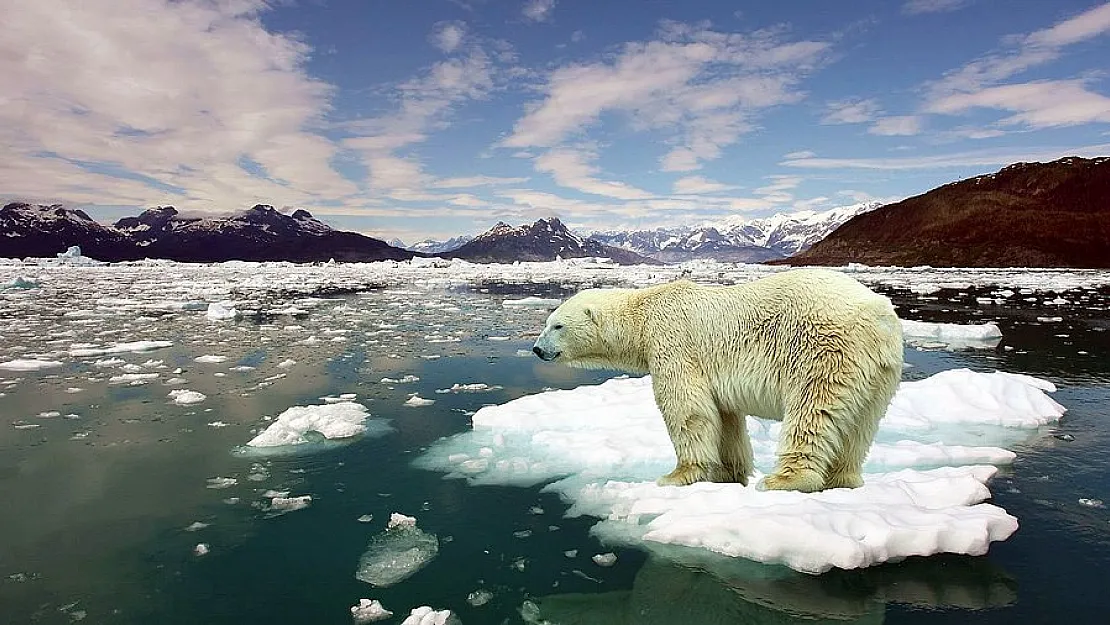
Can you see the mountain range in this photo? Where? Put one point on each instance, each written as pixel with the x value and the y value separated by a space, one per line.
pixel 544 240
pixel 261 233
pixel 736 239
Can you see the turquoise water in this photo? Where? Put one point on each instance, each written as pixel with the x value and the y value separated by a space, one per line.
pixel 94 529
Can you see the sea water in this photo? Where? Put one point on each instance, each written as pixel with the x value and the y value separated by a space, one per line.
pixel 135 496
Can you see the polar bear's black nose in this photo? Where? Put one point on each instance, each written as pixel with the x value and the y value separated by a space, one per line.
pixel 537 351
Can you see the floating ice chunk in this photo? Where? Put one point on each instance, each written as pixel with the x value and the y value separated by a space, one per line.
pixel 1091 503
pixel 304 424
pixel 182 397
pixel 368 611
pixel 951 335
pixel 479 597
pixel 20 282
pixel 120 348
pixel 425 615
pixel 219 312
pixel 196 526
pixel 417 401
pixel 1050 319
pixel 29 364
pixel 366 518
pixel 221 482
pixel 605 559
pixel 287 363
pixel 531 302
pixel 201 549
pixel 397 553
pixel 133 379
pixel 282 505
pixel 109 362
pixel 608 443
pixel 476 387
pixel 210 359
pixel 402 380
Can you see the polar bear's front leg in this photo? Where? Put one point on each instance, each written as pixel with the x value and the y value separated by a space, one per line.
pixel 694 426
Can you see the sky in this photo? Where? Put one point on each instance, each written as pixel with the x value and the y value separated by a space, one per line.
pixel 432 118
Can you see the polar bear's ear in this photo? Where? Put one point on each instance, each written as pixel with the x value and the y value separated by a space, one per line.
pixel 592 315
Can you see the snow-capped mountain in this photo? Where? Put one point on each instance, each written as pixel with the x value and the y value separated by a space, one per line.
pixel 736 239
pixel 261 233
pixel 43 231
pixel 431 246
pixel 546 239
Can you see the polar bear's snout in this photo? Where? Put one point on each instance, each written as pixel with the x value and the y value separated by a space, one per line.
pixel 545 353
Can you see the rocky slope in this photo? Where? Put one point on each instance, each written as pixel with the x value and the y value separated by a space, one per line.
pixel 1028 214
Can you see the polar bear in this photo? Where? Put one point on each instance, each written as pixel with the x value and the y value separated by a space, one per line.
pixel 812 347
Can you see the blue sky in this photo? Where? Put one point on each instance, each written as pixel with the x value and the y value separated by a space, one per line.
pixel 429 118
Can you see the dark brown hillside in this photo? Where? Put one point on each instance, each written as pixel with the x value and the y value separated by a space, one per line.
pixel 1029 214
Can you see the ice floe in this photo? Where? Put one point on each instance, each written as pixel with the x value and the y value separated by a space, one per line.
pixel 220 312
pixel 426 615
pixel 368 611
pixel 119 348
pixel 925 478
pixel 182 397
pixel 29 364
pixel 301 425
pixel 951 335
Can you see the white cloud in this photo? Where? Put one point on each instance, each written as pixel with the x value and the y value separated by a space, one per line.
pixel 800 154
pixel 700 86
pixel 779 189
pixel 174 92
pixel 448 36
pixel 422 106
pixel 1041 104
pixel 851 111
pixel 897 126
pixel 974 158
pixel 574 169
pixel 917 7
pixel 466 182
pixel 1037 48
pixel 696 185
pixel 538 10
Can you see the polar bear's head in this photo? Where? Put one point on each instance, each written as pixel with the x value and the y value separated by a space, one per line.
pixel 573 333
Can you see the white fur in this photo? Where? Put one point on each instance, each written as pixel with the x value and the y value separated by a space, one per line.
pixel 812 347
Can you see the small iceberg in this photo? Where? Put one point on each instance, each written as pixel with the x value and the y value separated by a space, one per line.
pixel 313 427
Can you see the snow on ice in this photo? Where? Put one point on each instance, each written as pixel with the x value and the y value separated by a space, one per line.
pixel 925 478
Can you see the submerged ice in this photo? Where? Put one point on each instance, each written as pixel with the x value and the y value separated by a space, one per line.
pixel 925 477
pixel 397 553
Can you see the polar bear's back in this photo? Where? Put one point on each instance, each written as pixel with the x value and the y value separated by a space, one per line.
pixel 759 339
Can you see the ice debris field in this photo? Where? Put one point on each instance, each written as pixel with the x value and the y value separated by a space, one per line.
pixel 600 447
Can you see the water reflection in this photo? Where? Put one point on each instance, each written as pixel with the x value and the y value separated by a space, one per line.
pixel 685 586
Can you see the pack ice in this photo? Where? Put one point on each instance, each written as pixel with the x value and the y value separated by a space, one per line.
pixel 925 478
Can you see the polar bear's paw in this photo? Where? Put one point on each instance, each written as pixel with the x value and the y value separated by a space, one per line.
pixel 803 480
pixel 685 474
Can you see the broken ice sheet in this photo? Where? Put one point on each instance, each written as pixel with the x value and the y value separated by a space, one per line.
pixel 396 554
pixel 303 429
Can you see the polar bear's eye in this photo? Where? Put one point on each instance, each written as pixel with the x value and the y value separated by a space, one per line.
pixel 557 326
